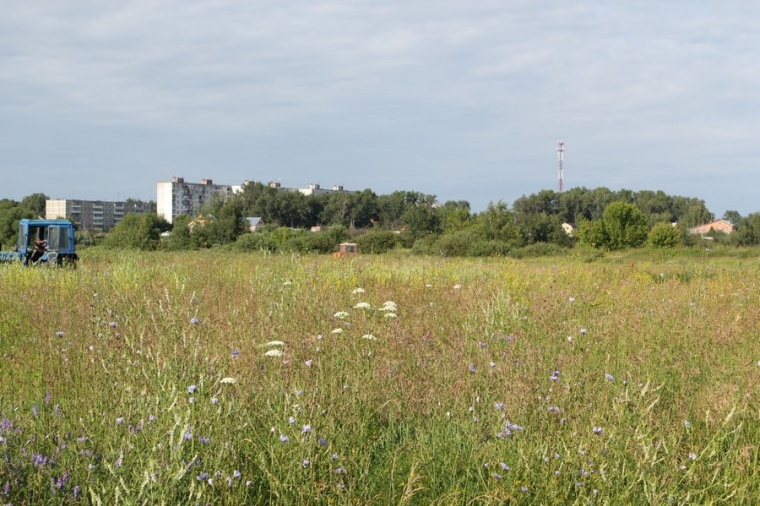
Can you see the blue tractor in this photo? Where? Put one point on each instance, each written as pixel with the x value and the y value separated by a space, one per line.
pixel 43 242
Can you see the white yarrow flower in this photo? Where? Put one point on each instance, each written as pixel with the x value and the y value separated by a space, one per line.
pixel 358 290
pixel 390 315
pixel 337 331
pixel 370 337
pixel 228 380
pixel 274 343
pixel 341 315
pixel 362 305
pixel 457 286
pixel 273 353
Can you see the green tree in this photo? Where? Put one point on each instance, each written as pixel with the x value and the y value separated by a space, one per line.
pixel 136 231
pixel 625 226
pixel 35 203
pixel 664 235
pixel 748 232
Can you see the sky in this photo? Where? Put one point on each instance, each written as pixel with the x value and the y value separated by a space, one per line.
pixel 465 100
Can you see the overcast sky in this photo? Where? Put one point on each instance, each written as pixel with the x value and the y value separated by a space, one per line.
pixel 465 100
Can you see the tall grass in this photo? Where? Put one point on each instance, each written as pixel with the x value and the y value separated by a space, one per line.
pixel 145 379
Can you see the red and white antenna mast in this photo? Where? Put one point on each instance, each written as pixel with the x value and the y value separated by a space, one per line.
pixel 560 155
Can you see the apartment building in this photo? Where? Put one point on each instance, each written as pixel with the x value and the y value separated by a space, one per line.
pixel 93 215
pixel 177 197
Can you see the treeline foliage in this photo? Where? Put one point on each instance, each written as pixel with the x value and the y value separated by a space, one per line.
pixel 546 222
pixel 11 211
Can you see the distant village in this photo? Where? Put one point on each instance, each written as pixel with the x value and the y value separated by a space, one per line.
pixel 173 198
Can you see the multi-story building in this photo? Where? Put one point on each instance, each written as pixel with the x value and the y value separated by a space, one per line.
pixel 315 189
pixel 176 197
pixel 93 215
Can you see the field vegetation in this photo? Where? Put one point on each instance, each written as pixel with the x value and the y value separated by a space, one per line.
pixel 219 377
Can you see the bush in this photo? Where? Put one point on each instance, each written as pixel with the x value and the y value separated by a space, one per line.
pixel 377 241
pixel 255 241
pixel 539 249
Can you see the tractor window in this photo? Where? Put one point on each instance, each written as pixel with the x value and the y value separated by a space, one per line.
pixel 35 234
pixel 58 238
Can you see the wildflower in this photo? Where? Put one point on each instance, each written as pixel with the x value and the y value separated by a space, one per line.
pixel 319 337
pixel 151 418
pixel 370 337
pixel 287 283
pixel 39 460
pixel 553 409
pixel 236 474
pixel 481 344
pixel 187 435
pixel 569 339
pixel 59 333
pixel 76 491
pixel 554 376
pixel 687 424
pixel 191 400
pixel 609 377
pixel 341 315
pixel 340 470
pixel 309 362
pixel 306 429
pixel 524 489
pixel 306 463
pixel 362 305
pixel 597 430
pixel 235 353
pixel 214 400
pixel 120 420
pixel 496 476
pixel 513 426
pixel 334 456
pixel 284 438
pixel 322 441
pixel 390 315
pixel 274 343
pixel 583 331
pixel 118 462
pixel 579 484
pixel 692 456
pixel 499 405
pixel 191 389
pixel 202 477
pixel 35 410
pixel 571 299
pixel 472 368
pixel 227 381
pixel 457 286
pixel 194 321
pixel 114 325
pixel 504 466
pixel 336 331
pixel 273 353
pixel 389 305
pixel 204 439
pixel 291 420
pixel 486 464
pixel 358 290
pixel 492 364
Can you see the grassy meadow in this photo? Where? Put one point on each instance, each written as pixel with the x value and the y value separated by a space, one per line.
pixel 218 378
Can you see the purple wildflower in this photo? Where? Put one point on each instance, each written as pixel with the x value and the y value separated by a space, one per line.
pixel 340 470
pixel 309 362
pixel 120 420
pixel 284 438
pixel 554 376
pixel 204 439
pixel 598 430
pixel 39 460
pixel 306 429
pixel 553 409
pixel 194 321
pixel 187 435
pixel 306 463
pixel 609 377
pixel 114 324
pixel 499 405
pixel 496 476
pixel 214 400
pixel 472 368
pixel 322 441
pixel 202 477
pixel 59 333
pixel 191 389
pixel 118 462
pixel 235 353
pixel 692 456
pixel 504 466
pixel 236 474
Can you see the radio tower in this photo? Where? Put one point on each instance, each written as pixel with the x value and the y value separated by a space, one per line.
pixel 560 155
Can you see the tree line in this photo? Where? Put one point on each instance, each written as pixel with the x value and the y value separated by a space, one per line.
pixel 542 223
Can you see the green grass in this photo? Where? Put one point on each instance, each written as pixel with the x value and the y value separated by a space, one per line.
pixel 116 381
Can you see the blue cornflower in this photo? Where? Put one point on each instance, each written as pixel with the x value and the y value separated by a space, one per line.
pixel 598 430
pixel 472 368
pixel 191 389
pixel 194 320
pixel 284 438
pixel 609 377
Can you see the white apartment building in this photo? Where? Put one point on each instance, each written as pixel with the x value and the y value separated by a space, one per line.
pixel 315 189
pixel 93 215
pixel 176 197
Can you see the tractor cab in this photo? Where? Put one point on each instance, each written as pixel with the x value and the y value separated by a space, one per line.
pixel 347 249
